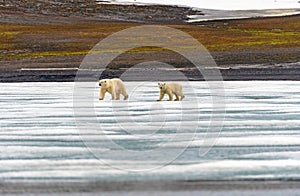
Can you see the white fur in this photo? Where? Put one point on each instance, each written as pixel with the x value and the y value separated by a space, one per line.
pixel 171 89
pixel 113 86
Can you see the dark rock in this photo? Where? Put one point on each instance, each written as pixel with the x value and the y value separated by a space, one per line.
pixel 96 11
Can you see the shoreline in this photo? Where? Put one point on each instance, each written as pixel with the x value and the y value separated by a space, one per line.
pixel 69 75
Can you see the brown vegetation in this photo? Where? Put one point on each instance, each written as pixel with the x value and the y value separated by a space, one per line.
pixel 64 45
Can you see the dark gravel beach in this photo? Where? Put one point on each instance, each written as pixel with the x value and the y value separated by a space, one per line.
pixel 191 74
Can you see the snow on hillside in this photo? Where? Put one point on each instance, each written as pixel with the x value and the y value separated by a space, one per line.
pixel 221 4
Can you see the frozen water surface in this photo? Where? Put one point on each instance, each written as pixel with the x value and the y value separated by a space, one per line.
pixel 260 138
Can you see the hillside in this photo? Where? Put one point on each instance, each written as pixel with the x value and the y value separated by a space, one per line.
pixel 46 11
pixel 58 34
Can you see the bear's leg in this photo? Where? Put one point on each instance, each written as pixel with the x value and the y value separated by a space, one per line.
pixel 170 97
pixel 177 98
pixel 102 93
pixel 124 93
pixel 113 93
pixel 117 96
pixel 161 96
pixel 182 96
pixel 125 96
pixel 113 96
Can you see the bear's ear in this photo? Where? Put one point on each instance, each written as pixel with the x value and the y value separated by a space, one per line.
pixel 158 83
pixel 105 81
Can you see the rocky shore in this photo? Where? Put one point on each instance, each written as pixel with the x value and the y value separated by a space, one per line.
pixel 69 75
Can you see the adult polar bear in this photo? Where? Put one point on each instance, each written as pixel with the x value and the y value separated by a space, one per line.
pixel 113 86
pixel 171 89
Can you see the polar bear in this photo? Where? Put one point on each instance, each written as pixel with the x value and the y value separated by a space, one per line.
pixel 170 89
pixel 113 86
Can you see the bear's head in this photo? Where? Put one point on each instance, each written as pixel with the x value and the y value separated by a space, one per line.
pixel 162 85
pixel 103 83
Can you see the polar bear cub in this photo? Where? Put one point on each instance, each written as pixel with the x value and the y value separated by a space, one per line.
pixel 170 89
pixel 113 86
